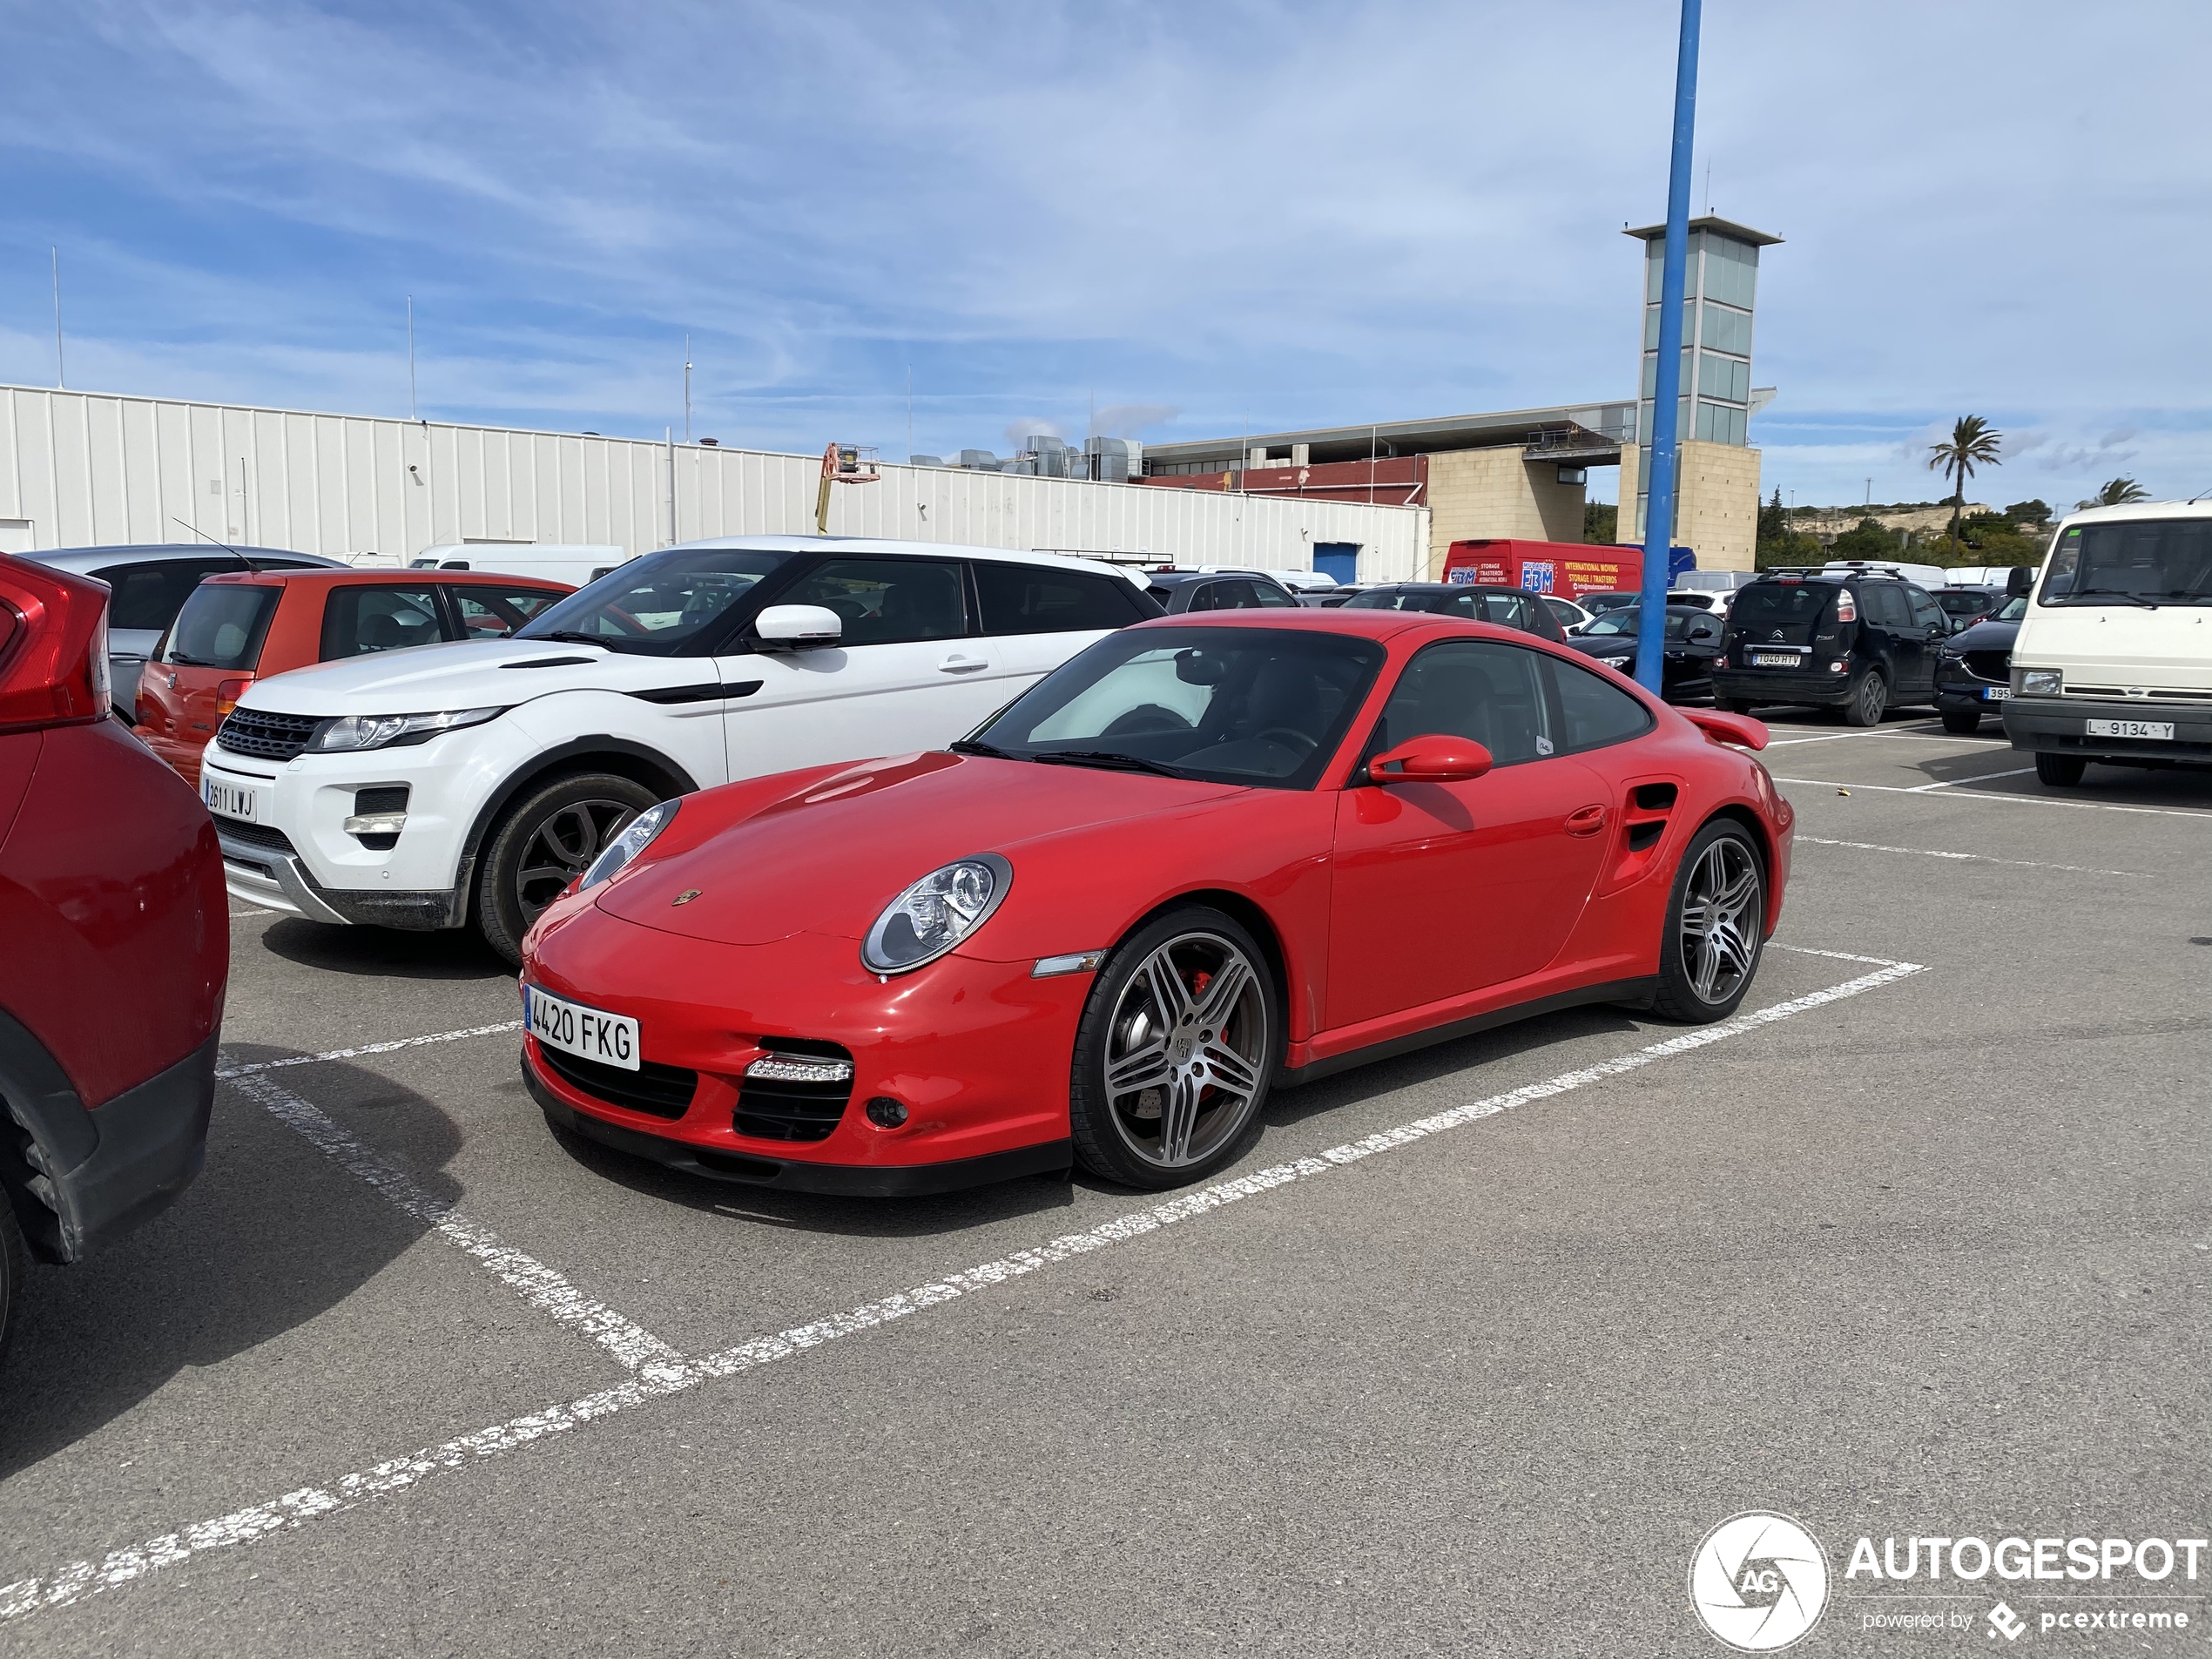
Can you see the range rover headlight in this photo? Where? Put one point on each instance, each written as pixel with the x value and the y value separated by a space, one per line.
pixel 635 835
pixel 355 731
pixel 2039 681
pixel 935 913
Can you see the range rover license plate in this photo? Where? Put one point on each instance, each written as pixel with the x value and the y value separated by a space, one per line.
pixel 611 1039
pixel 226 801
pixel 2159 731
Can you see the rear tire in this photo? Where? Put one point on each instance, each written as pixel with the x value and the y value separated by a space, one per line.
pixel 1868 698
pixel 2060 772
pixel 542 842
pixel 1964 725
pixel 15 1269
pixel 1177 1046
pixel 1739 706
pixel 1715 926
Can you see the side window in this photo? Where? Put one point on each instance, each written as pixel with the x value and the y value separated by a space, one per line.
pixel 1507 610
pixel 888 601
pixel 1704 630
pixel 1037 599
pixel 150 596
pixel 1592 713
pixel 1471 689
pixel 1885 604
pixel 1267 596
pixel 1926 613
pixel 493 613
pixel 356 621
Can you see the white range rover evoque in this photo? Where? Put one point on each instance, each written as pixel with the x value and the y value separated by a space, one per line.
pixel 464 784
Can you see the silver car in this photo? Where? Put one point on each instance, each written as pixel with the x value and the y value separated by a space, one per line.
pixel 150 585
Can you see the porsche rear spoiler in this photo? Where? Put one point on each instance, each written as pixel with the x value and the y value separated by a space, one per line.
pixel 1740 730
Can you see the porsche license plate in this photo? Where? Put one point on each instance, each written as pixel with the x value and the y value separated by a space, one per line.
pixel 226 800
pixel 611 1039
pixel 2159 731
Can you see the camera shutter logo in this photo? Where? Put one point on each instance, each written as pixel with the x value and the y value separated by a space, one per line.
pixel 1759 1581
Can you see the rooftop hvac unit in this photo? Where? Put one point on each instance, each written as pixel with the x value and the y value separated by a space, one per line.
pixel 979 459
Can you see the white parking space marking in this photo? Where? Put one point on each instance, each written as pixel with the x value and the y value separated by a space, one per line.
pixel 635 1348
pixel 371 1048
pixel 1995 795
pixel 1979 777
pixel 1974 858
pixel 84 1578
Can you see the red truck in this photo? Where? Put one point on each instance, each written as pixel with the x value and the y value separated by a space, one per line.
pixel 1568 569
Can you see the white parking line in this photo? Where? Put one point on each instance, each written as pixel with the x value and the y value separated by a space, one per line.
pixel 1979 777
pixel 634 1348
pixel 84 1578
pixel 369 1048
pixel 2032 801
pixel 1976 858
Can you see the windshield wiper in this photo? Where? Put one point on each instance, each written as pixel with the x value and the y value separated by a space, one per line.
pixel 188 662
pixel 572 638
pixel 2115 593
pixel 1107 758
pixel 971 746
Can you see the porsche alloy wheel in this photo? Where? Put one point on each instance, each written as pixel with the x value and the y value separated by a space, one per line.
pixel 1715 926
pixel 1176 1052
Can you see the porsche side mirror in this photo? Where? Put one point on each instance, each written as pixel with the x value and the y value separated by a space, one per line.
pixel 1430 759
pixel 798 627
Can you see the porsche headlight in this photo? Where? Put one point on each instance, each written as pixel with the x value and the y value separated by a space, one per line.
pixel 352 731
pixel 935 913
pixel 627 845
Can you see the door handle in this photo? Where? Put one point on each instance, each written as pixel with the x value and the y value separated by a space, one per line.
pixel 958 663
pixel 1588 821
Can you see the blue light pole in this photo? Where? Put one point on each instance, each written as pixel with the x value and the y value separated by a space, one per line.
pixel 1666 398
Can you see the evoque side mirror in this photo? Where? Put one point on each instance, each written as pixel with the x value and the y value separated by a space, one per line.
pixel 798 627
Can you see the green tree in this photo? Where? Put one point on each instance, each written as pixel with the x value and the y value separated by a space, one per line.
pixel 2029 512
pixel 1973 443
pixel 2117 492
pixel 1779 545
pixel 1867 539
pixel 1600 521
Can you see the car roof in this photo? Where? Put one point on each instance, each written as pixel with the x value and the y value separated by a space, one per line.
pixel 360 576
pixel 1449 586
pixel 1339 620
pixel 1134 577
pixel 82 559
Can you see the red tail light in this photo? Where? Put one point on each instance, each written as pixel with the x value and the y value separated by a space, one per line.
pixel 227 694
pixel 53 647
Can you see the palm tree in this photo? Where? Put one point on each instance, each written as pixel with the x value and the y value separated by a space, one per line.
pixel 2117 492
pixel 1973 443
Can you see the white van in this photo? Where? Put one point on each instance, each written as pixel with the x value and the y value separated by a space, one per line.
pixel 577 564
pixel 1929 576
pixel 2112 662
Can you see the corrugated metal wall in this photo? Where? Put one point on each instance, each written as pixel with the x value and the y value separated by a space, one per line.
pixel 89 468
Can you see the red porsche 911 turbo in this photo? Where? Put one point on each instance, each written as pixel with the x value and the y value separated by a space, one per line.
pixel 1208 857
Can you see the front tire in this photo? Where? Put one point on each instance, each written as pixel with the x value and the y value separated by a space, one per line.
pixel 1867 698
pixel 1966 723
pixel 2060 772
pixel 542 843
pixel 1177 1046
pixel 1715 926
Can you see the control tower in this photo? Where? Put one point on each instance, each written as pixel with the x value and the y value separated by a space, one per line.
pixel 1716 492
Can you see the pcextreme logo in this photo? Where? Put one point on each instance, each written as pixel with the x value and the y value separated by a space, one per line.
pixel 1759 1581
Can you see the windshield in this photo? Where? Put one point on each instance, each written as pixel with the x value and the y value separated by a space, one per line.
pixel 1963 601
pixel 1624 623
pixel 1768 604
pixel 1265 706
pixel 221 626
pixel 2013 610
pixel 657 605
pixel 2143 561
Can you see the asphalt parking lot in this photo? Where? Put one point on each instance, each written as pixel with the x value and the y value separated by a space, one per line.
pixel 1917 1243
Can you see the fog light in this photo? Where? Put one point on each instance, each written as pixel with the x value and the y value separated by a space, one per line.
pixel 886 1113
pixel 1838 667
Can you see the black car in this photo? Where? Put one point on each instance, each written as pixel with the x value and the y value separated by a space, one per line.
pixel 1861 641
pixel 1330 599
pixel 1968 605
pixel 1507 607
pixel 1182 590
pixel 1974 669
pixel 1693 644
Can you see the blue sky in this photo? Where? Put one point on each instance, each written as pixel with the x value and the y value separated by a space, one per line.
pixel 1208 218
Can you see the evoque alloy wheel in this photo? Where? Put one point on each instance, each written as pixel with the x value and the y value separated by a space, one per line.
pixel 545 841
pixel 1715 926
pixel 1176 1052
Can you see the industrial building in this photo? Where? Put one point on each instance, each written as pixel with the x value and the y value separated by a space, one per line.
pixel 80 469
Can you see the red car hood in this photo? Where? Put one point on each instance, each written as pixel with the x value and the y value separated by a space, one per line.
pixel 829 856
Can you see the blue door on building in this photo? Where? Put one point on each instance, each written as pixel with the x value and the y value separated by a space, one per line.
pixel 1338 559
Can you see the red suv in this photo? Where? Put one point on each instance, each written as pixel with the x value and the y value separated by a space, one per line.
pixel 238 628
pixel 117 944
